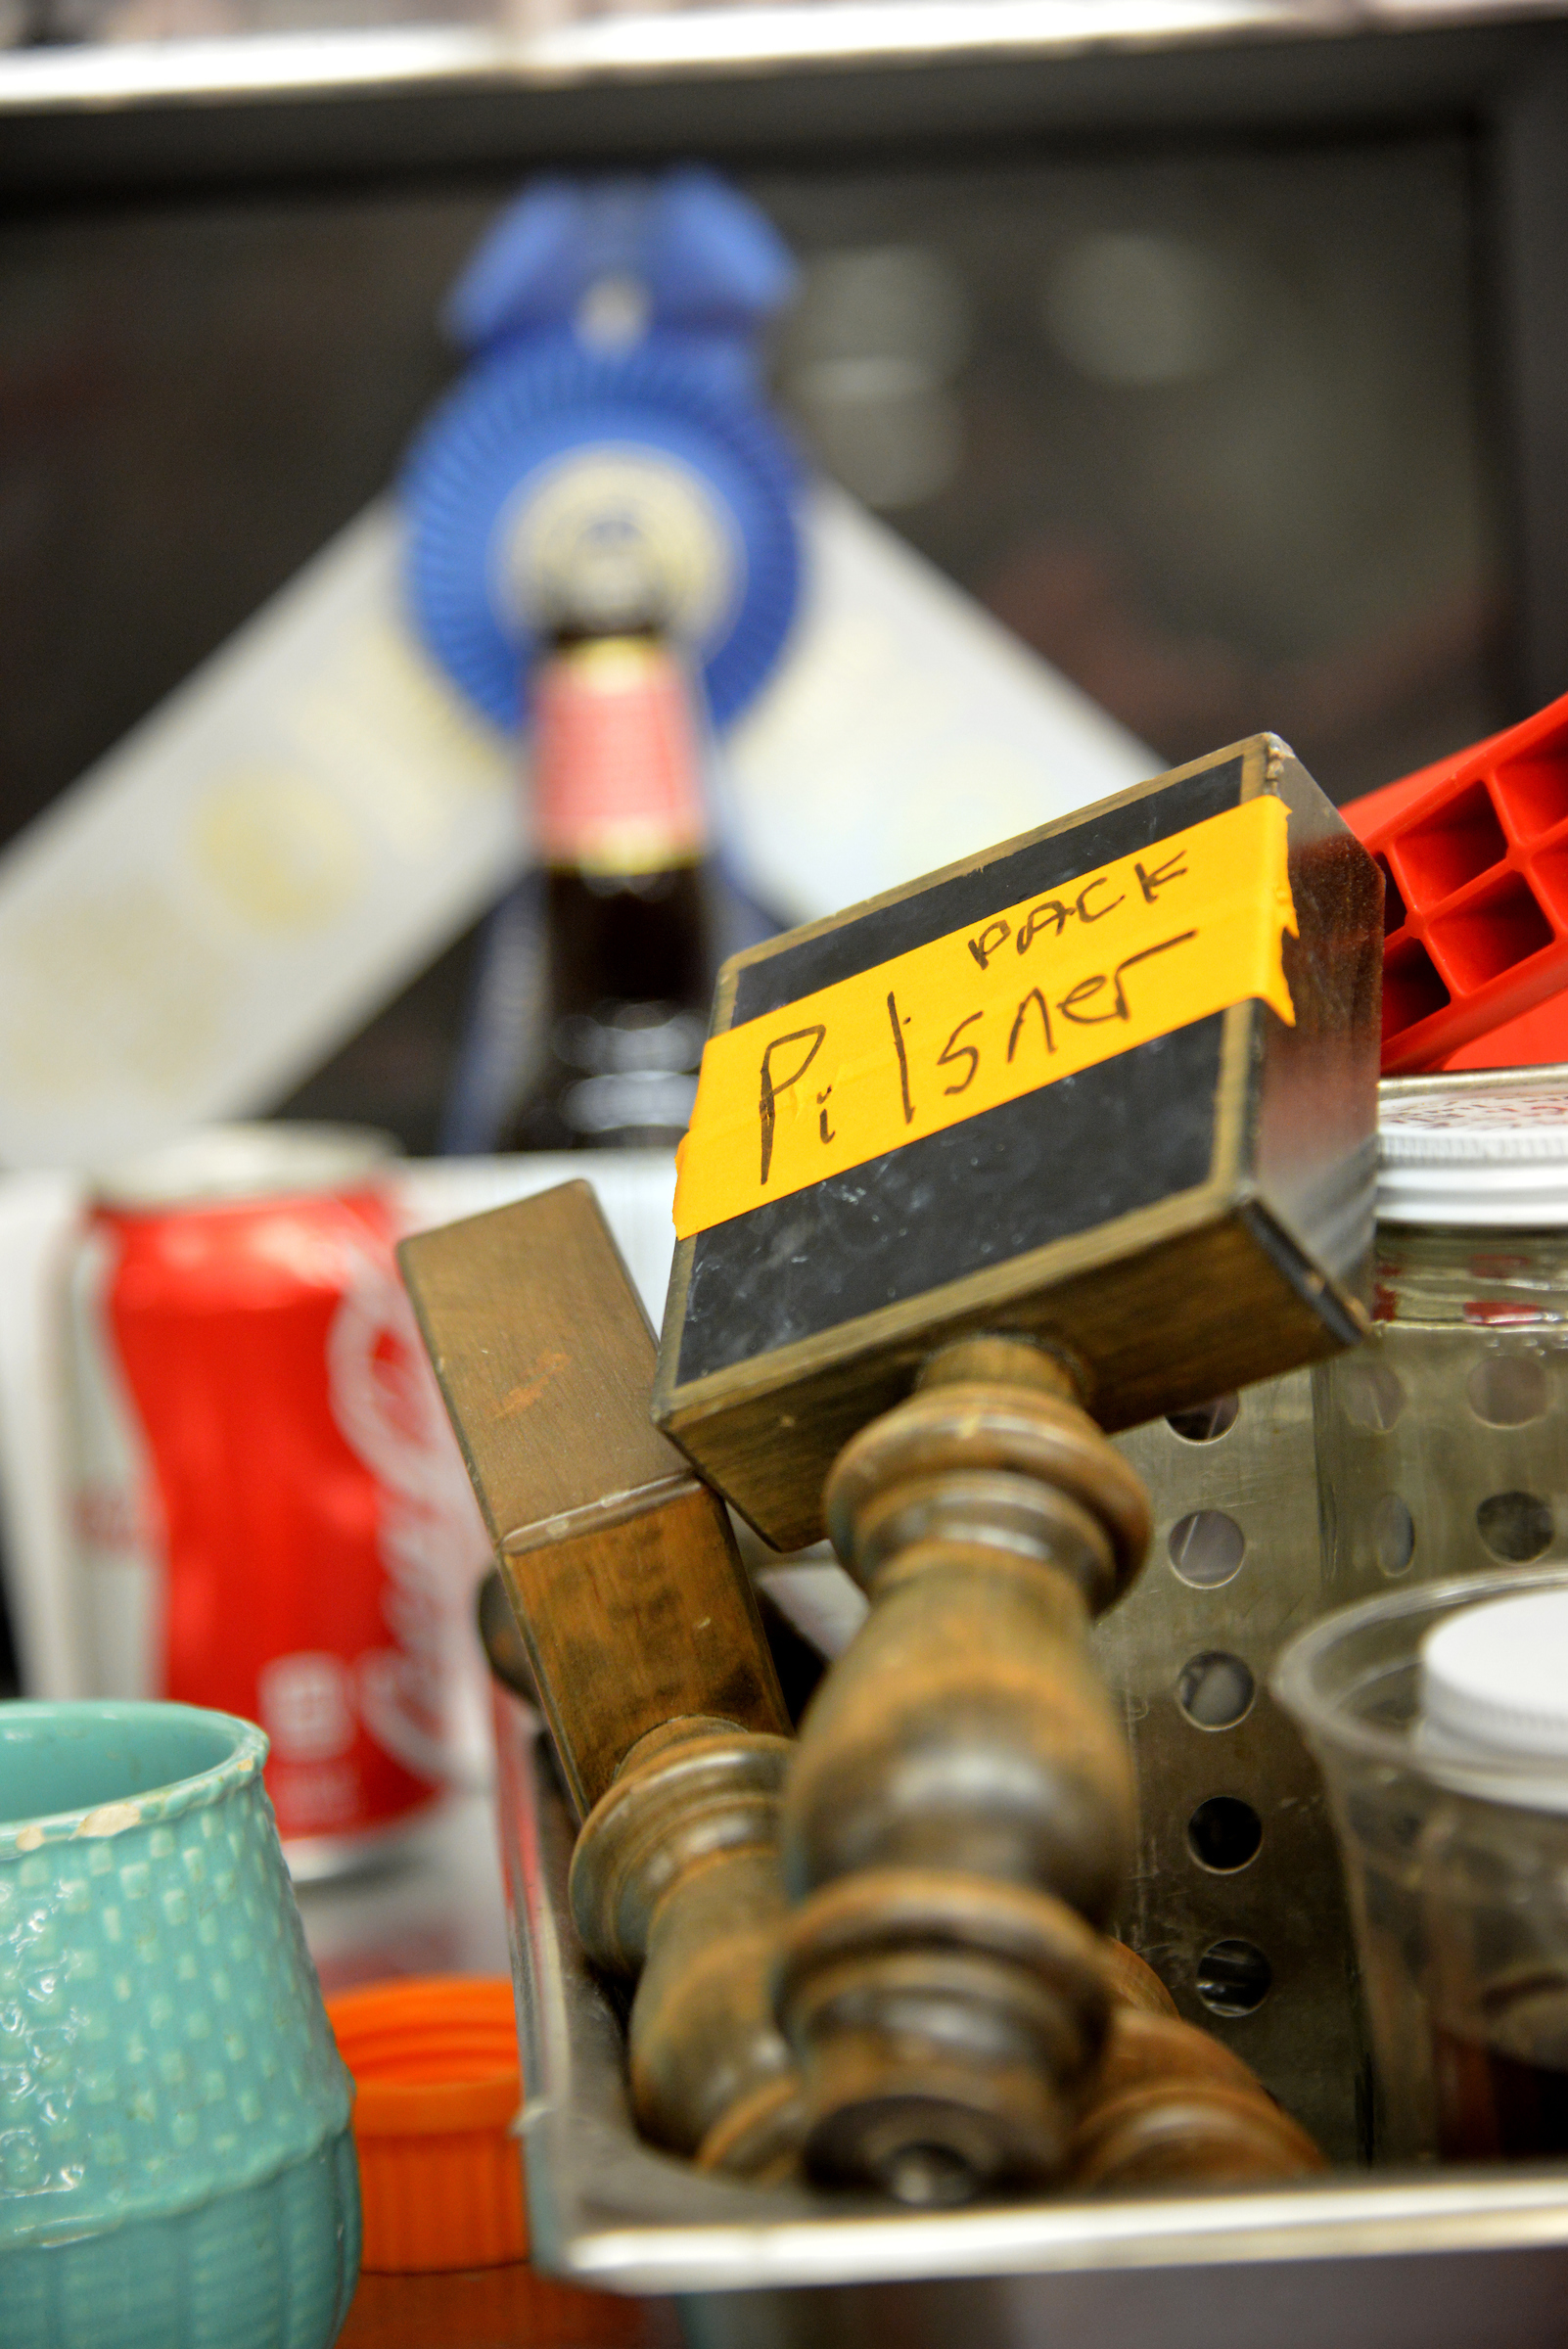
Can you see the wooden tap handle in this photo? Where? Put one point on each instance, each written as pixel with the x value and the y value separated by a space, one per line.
pixel 645 1652
pixel 959 1819
pixel 948 1180
pixel 620 1565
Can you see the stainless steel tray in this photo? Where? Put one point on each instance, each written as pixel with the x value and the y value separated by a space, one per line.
pixel 1451 2257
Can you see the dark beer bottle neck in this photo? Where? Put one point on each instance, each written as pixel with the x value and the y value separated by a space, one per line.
pixel 622 835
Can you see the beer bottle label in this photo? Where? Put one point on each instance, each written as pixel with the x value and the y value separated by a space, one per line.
pixel 616 761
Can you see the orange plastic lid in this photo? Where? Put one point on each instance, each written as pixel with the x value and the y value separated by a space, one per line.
pixel 438 2087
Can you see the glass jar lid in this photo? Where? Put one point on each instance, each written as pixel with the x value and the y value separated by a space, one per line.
pixel 1488 1147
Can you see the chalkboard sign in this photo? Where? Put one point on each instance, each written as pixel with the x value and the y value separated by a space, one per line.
pixel 1112 1084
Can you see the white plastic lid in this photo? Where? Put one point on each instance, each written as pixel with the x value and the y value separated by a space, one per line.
pixel 1495 1688
pixel 1488 1150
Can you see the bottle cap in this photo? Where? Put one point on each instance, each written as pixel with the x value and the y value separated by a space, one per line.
pixel 1474 1150
pixel 1495 1688
pixel 439 2088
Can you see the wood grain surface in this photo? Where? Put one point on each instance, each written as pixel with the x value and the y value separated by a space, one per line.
pixel 632 1624
pixel 621 1567
pixel 546 1359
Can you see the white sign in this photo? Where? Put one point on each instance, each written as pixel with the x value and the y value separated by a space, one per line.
pixel 289 838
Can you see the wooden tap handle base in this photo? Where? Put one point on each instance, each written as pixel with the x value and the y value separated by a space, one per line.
pixel 947 2025
pixel 674 1879
pixel 959 1817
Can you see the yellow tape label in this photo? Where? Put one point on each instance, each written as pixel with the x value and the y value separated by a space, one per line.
pixel 949 1030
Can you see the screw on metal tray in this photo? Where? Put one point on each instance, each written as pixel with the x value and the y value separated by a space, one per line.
pixel 641 1640
pixel 916 1327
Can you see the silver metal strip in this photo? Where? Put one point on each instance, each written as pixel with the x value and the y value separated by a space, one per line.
pixel 688 44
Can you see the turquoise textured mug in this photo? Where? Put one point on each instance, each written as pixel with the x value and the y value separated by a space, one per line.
pixel 176 2165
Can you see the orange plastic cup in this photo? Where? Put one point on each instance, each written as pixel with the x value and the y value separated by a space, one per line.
pixel 441 2173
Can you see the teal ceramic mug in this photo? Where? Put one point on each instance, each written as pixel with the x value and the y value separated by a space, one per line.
pixel 176 2164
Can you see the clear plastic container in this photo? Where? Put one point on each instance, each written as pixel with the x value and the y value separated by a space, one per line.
pixel 1456 1858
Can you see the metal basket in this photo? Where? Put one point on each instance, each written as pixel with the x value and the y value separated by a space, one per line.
pixel 1237 1898
pixel 1267 1512
pixel 1358 2260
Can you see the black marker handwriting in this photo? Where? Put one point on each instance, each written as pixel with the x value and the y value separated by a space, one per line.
pixel 1034 996
pixel 1164 947
pixel 947 1055
pixel 903 1061
pixel 1085 992
pixel 1174 869
pixel 991 938
pixel 771 1087
pixel 1052 915
pixel 1099 882
pixel 1093 1001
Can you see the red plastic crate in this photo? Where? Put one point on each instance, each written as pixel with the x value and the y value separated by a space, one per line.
pixel 1474 852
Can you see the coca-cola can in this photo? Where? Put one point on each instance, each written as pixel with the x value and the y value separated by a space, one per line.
pixel 266 1500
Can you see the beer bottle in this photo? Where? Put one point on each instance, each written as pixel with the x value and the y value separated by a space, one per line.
pixel 627 945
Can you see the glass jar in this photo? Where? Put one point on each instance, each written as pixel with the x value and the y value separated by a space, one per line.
pixel 1443 1441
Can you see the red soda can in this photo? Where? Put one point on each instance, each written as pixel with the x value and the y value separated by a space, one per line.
pixel 268 1501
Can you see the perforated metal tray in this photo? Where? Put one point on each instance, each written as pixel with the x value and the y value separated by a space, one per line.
pixel 1359 2260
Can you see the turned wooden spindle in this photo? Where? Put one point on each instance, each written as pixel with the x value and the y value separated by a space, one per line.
pixel 643 1647
pixel 961 1811
pixel 676 1879
pixel 1057 1141
pixel 709 2073
pixel 1168 2105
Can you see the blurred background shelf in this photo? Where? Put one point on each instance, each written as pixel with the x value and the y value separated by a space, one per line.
pixel 1214 349
pixel 345 84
